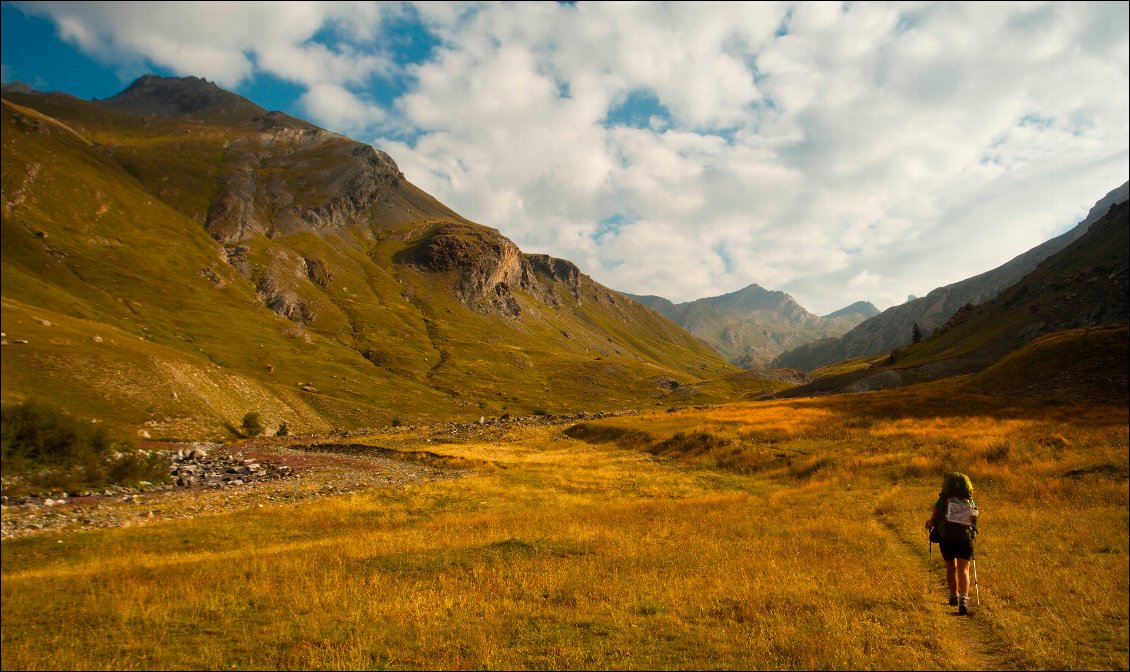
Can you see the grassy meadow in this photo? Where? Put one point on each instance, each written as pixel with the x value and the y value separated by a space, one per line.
pixel 768 535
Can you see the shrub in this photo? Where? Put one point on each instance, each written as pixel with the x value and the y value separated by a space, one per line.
pixel 132 467
pixel 283 430
pixel 625 438
pixel 37 435
pixel 46 450
pixel 693 444
pixel 252 424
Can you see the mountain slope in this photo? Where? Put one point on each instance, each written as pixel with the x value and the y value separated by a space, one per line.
pixel 751 326
pixel 893 327
pixel 1077 299
pixel 175 257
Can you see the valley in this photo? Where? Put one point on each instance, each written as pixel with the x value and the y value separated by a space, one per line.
pixel 768 535
pixel 385 437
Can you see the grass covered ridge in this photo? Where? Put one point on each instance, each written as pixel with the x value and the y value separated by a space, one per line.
pixel 778 535
pixel 317 327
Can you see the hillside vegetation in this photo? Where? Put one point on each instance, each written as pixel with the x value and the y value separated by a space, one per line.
pixel 172 262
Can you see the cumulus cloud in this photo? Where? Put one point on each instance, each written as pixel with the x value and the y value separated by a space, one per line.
pixel 839 152
pixel 226 42
pixel 340 108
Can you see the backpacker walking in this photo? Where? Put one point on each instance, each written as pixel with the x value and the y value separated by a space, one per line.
pixel 953 525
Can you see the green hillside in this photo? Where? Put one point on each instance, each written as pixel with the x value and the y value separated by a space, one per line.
pixel 166 275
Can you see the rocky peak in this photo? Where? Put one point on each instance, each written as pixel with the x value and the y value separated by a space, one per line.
pixel 754 297
pixel 183 96
pixel 864 308
pixel 17 87
pixel 557 270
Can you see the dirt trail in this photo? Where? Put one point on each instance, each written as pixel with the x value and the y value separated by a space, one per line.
pixel 980 629
pixel 987 649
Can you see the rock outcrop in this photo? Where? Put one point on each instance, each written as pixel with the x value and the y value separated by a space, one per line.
pixel 288 179
pixel 489 269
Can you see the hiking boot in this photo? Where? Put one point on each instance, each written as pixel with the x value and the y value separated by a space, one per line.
pixel 963 610
pixel 953 600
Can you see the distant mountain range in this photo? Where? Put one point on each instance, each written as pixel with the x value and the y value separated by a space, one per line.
pixel 752 326
pixel 894 327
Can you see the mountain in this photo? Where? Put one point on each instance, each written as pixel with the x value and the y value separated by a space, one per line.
pixel 751 326
pixel 175 257
pixel 185 97
pixel 1060 330
pixel 893 328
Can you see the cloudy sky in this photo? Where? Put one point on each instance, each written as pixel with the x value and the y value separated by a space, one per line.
pixel 834 151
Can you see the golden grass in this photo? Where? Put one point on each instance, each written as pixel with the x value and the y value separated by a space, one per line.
pixel 799 546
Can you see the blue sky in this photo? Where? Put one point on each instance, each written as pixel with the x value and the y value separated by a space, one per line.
pixel 834 151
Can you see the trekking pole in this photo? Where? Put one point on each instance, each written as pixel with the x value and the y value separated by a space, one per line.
pixel 976 588
pixel 929 559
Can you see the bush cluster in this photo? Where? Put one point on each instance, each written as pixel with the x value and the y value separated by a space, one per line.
pixel 44 449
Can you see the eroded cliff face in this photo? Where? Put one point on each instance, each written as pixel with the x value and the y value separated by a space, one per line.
pixel 487 265
pixel 291 176
pixel 489 268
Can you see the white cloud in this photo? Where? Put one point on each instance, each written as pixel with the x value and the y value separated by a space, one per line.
pixel 869 151
pixel 222 41
pixel 339 108
pixel 887 139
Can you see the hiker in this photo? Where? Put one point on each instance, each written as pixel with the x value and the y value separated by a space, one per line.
pixel 953 525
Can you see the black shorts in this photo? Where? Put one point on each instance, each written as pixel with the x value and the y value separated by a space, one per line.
pixel 956 549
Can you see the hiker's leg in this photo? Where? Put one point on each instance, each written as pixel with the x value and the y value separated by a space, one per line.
pixel 951 575
pixel 962 571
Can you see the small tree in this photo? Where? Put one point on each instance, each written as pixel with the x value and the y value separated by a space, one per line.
pixel 283 430
pixel 252 424
pixel 916 334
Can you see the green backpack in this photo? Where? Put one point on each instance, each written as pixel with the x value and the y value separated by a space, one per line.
pixel 957 517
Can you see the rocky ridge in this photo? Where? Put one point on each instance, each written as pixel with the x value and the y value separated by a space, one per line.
pixel 893 328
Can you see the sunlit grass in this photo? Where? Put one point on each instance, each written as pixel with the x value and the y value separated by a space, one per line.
pixel 782 535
